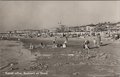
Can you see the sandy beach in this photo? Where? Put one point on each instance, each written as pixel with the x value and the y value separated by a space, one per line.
pixel 72 61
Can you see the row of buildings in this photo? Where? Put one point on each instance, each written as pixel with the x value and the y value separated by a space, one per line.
pixel 92 27
pixel 103 28
pixel 106 27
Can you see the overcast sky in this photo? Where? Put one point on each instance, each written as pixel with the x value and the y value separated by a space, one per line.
pixel 47 14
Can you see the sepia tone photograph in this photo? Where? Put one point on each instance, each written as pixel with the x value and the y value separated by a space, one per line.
pixel 59 38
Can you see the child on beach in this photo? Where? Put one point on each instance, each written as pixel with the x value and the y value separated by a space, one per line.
pixel 54 43
pixel 66 38
pixel 94 42
pixel 42 45
pixel 86 44
pixel 31 46
pixel 99 41
pixel 64 45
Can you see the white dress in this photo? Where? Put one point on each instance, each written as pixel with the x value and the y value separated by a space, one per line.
pixel 64 45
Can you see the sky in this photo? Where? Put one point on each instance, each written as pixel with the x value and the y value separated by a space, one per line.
pixel 18 15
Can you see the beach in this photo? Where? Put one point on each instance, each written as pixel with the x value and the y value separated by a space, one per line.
pixel 72 61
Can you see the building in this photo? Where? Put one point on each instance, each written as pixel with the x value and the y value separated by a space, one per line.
pixel 90 28
pixel 77 29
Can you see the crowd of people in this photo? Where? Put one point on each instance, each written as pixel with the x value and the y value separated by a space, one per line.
pixel 86 45
pixel 54 44
pixel 96 41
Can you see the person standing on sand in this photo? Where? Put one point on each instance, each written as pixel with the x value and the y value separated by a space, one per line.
pixel 94 42
pixel 64 35
pixel 98 40
pixel 54 43
pixel 65 42
pixel 42 45
pixel 66 38
pixel 64 45
pixel 31 46
pixel 86 44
